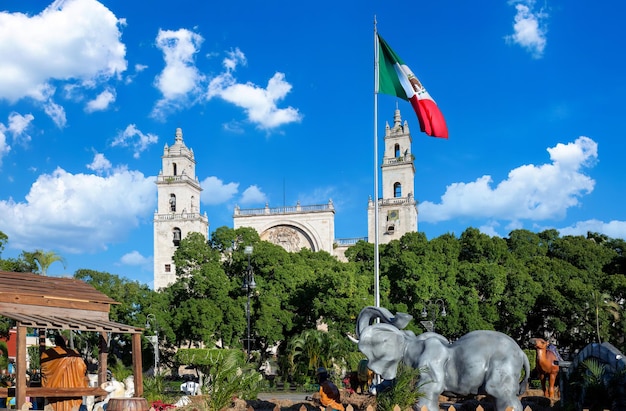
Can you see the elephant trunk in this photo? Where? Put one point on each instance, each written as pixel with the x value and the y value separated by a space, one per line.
pixel 370 314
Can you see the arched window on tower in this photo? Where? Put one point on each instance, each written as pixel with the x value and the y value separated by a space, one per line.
pixel 176 236
pixel 397 190
pixel 396 150
pixel 172 202
pixel 175 169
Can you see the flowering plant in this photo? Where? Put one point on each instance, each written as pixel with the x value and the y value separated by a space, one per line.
pixel 159 405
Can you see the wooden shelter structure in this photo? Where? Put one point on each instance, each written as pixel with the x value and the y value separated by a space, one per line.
pixel 41 302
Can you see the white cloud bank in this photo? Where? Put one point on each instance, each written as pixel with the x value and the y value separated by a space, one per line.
pixel 77 213
pixel 530 193
pixel 182 84
pixel 71 41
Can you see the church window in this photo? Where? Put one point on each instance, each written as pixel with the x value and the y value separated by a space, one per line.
pixel 168 268
pixel 175 168
pixel 176 234
pixel 397 190
pixel 396 150
pixel 172 202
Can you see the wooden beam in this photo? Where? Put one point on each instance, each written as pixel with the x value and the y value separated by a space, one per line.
pixel 55 392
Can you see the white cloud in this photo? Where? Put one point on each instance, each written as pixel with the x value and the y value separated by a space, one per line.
pixel 134 258
pixel 56 113
pixel 69 41
pixel 613 229
pixel 529 28
pixel 180 80
pixel 101 102
pixel 253 195
pixel 78 213
pixel 18 125
pixel 100 164
pixel 214 191
pixel 530 192
pixel 4 145
pixel 260 104
pixel 133 137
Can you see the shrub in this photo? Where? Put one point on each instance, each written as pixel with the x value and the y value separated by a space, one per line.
pixel 404 390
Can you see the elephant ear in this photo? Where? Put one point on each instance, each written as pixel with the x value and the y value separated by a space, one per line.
pixel 383 345
pixel 368 315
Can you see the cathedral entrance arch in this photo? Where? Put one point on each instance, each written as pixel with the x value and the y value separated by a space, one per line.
pixel 289 237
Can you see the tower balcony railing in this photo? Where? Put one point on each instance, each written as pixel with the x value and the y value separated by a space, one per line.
pixel 398 160
pixel 179 216
pixel 175 179
pixel 347 242
pixel 393 201
pixel 284 210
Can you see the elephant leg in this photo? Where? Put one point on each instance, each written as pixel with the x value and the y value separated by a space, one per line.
pixel 503 388
pixel 504 404
pixel 430 400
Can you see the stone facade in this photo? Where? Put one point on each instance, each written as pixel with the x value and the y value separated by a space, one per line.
pixel 293 228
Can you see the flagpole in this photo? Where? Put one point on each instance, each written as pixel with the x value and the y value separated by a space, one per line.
pixel 376 228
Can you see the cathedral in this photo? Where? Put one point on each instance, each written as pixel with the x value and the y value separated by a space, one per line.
pixel 293 228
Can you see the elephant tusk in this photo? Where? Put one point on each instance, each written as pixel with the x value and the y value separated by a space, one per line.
pixel 351 338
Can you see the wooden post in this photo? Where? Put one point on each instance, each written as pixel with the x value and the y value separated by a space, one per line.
pixel 20 367
pixel 137 365
pixel 103 355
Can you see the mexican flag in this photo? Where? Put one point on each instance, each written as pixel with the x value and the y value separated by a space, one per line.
pixel 397 79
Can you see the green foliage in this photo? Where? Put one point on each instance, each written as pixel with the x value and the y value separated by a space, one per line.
pixel 313 349
pixel 227 375
pixel 404 391
pixel 590 385
pixel 120 371
pixel 34 357
pixel 571 287
pixel 4 355
pixel 45 259
pixel 134 302
pixel 154 388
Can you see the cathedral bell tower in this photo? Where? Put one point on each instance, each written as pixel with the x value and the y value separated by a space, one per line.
pixel 178 208
pixel 397 208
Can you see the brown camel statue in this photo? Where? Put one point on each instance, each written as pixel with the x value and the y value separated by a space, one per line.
pixel 545 366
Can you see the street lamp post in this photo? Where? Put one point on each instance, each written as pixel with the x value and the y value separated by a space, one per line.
pixel 434 308
pixel 154 339
pixel 248 285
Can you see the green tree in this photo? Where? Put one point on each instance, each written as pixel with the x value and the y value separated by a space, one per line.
pixel 200 302
pixel 133 301
pixel 45 259
pixel 602 304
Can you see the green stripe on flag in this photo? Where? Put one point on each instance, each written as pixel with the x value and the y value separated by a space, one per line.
pixel 388 82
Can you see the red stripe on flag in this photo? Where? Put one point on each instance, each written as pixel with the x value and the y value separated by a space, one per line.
pixel 430 117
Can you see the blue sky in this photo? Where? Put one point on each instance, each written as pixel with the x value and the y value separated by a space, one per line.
pixel 276 100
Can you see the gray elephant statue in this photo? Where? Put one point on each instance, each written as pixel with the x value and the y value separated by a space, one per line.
pixel 480 362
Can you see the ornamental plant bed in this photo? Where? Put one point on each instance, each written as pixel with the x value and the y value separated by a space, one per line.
pixel 533 400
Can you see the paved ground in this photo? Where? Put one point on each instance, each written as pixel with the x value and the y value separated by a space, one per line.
pixel 284 395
